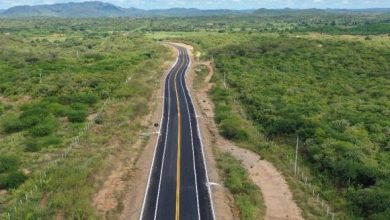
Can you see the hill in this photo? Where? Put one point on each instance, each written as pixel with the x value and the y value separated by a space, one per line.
pixel 101 9
pixel 84 9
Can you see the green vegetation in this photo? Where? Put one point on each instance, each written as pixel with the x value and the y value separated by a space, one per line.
pixel 51 86
pixel 10 177
pixel 201 72
pixel 332 92
pixel 247 195
pixel 322 75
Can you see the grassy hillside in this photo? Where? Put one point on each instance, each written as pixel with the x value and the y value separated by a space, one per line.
pixel 331 91
pixel 54 88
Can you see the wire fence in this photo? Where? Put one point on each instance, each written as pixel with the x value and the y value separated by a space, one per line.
pixel 307 182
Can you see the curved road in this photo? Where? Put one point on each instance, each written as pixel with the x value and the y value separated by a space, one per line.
pixel 178 183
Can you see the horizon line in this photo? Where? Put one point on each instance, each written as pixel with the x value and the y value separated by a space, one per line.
pixel 211 8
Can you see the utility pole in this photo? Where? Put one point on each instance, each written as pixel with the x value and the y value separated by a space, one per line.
pixel 296 156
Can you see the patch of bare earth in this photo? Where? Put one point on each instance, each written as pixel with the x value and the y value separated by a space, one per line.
pixel 276 193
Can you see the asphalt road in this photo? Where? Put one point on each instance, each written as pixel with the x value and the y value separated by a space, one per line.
pixel 178 184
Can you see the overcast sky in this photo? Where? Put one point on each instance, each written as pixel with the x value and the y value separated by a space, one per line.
pixel 231 4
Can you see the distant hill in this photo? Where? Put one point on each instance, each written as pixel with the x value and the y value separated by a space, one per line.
pixel 83 9
pixel 101 9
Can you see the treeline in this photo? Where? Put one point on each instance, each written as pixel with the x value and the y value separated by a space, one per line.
pixel 284 21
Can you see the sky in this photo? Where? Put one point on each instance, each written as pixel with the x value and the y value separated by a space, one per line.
pixel 217 4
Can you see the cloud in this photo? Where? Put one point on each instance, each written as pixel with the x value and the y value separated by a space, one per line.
pixel 233 4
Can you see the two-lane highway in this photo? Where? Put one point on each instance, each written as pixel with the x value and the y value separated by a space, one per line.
pixel 178 183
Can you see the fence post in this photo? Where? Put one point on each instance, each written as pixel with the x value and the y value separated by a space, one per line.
pixel 327 210
pixel 296 156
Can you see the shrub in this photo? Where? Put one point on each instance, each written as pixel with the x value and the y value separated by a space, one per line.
pixel 57 109
pixel 77 115
pixel 1 108
pixel 32 145
pixel 85 98
pixel 12 180
pixel 370 201
pixel 231 128
pixel 13 124
pixel 8 163
pixel 45 128
pixel 99 119
pixel 95 56
pixel 50 141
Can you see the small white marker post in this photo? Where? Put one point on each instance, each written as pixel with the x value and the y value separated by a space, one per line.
pixel 296 156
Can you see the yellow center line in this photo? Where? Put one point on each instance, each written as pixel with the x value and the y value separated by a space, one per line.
pixel 178 168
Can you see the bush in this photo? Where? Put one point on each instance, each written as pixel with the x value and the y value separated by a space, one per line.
pixel 12 180
pixel 32 145
pixel 13 124
pixel 36 144
pixel 231 128
pixel 50 141
pixel 370 201
pixel 1 108
pixel 99 119
pixel 77 115
pixel 247 196
pixel 8 163
pixel 86 98
pixel 57 109
pixel 44 129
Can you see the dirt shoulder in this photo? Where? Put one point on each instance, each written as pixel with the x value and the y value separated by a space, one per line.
pixel 276 193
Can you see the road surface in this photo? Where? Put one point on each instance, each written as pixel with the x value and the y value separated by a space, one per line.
pixel 178 183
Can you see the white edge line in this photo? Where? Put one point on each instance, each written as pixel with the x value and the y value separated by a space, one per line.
pixel 201 145
pixel 165 147
pixel 158 138
pixel 192 138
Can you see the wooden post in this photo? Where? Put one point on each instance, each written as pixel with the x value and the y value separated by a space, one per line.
pixel 296 156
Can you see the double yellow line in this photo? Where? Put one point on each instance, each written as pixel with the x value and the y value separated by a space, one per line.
pixel 178 164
